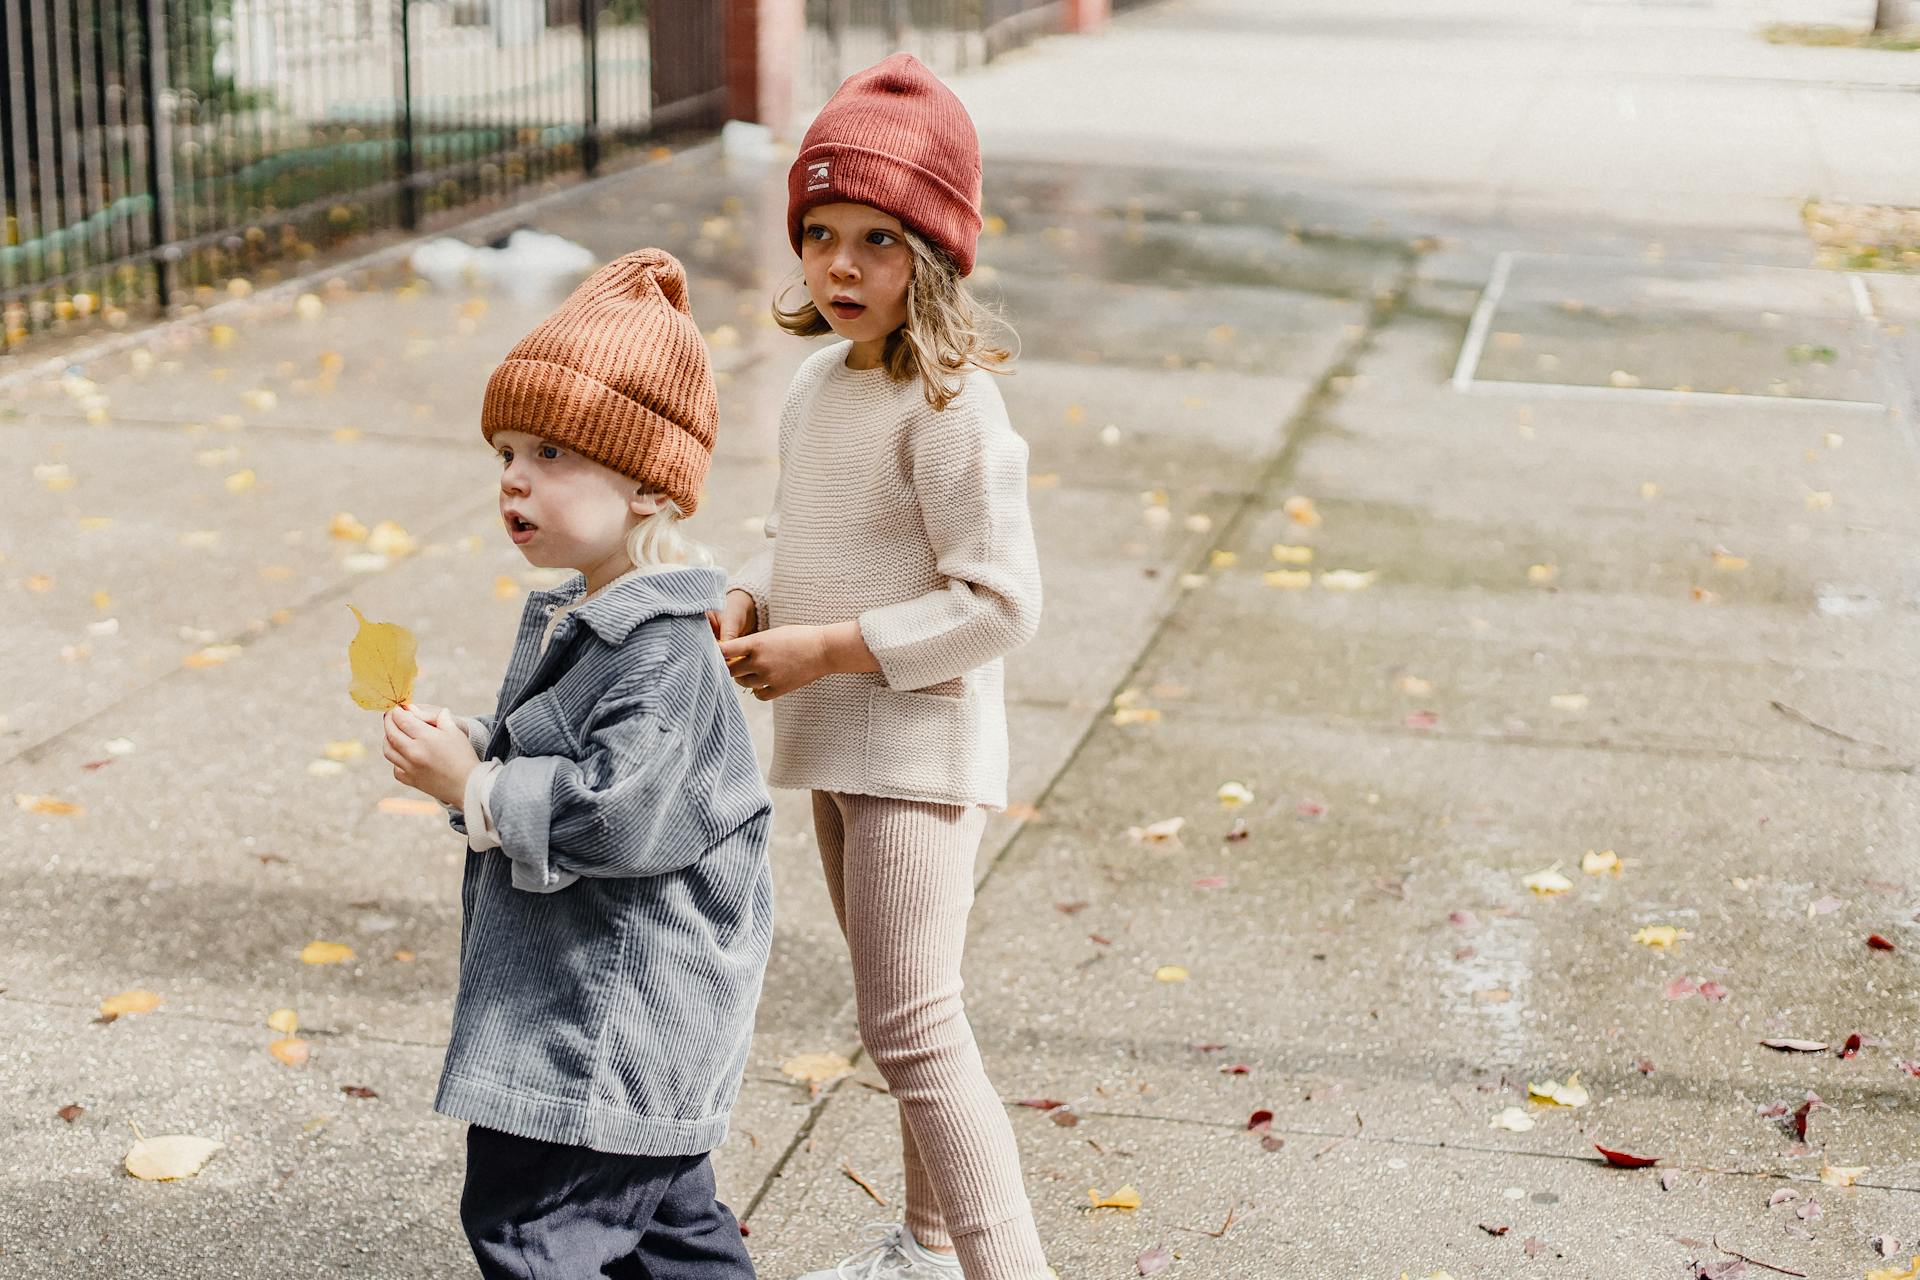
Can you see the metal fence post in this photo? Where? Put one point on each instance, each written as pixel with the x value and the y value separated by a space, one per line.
pixel 157 108
pixel 590 29
pixel 409 193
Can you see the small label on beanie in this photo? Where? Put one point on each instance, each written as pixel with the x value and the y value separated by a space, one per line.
pixel 817 175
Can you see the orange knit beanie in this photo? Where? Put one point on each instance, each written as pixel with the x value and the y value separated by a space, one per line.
pixel 894 137
pixel 618 374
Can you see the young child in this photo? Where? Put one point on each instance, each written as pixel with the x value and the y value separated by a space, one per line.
pixel 902 568
pixel 616 910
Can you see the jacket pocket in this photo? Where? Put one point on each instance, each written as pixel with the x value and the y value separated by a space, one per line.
pixel 539 727
pixel 923 743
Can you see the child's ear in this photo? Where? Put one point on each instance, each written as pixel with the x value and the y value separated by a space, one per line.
pixel 644 504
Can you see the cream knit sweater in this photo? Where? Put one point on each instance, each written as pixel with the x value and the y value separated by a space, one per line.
pixel 914 521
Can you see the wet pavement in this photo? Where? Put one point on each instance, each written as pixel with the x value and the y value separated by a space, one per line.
pixel 1443 638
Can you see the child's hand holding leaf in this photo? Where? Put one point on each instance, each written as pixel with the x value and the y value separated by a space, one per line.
pixel 433 756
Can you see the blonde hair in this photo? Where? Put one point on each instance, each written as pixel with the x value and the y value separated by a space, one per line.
pixel 946 333
pixel 658 540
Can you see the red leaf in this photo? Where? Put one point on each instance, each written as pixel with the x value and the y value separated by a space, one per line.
pixel 1800 1116
pixel 1311 809
pixel 358 1091
pixel 1207 1046
pixel 1851 1047
pixel 1042 1104
pixel 1260 1121
pixel 71 1112
pixel 1680 988
pixel 1713 991
pixel 1644 1066
pixel 1911 1068
pixel 1878 943
pixel 1070 908
pixel 1210 882
pixel 1100 939
pixel 1493 1230
pixel 1621 1160
pixel 1272 1142
pixel 1235 1069
pixel 1238 831
pixel 93 766
pixel 1423 720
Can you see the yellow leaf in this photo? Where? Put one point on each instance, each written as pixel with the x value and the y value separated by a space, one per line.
pixel 1415 686
pixel 347 750
pixel 1839 1176
pixel 1649 490
pixel 261 400
pixel 102 601
pixel 1541 574
pixel 1513 1120
pixel 176 1155
pixel 39 583
pixel 211 656
pixel 241 481
pixel 1076 413
pixel 1660 935
pixel 1171 973
pixel 1288 579
pixel 1894 1273
pixel 381 655
pixel 1165 831
pixel 1125 1198
pixel 1348 579
pixel 135 1001
pixel 1820 500
pixel 285 1021
pixel 1302 512
pixel 345 435
pixel 1221 333
pixel 49 805
pixel 309 307
pixel 1223 560
pixel 291 1050
pixel 318 952
pixel 1287 553
pixel 1234 794
pixel 54 476
pixel 1832 440
pixel 344 527
pixel 389 539
pixel 1606 862
pixel 1570 1094
pixel 413 806
pixel 1569 701
pixel 1136 715
pixel 1547 882
pixel 222 335
pixel 505 588
pixel 816 1068
pixel 1727 562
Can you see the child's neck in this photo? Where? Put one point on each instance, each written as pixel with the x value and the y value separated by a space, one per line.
pixel 867 355
pixel 605 571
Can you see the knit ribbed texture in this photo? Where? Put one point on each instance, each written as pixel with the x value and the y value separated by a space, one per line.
pixel 619 374
pixel 616 1013
pixel 895 138
pixel 900 874
pixel 914 521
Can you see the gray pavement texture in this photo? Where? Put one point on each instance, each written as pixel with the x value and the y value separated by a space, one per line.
pixel 1244 245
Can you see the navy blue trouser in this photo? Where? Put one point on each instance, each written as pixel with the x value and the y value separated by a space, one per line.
pixel 542 1211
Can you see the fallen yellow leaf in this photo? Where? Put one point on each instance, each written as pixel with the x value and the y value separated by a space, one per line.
pixel 211 656
pixel 344 527
pixel 1547 882
pixel 135 1001
pixel 1513 1120
pixel 1820 500
pixel 1136 715
pixel 291 1050
pixel 1570 1094
pixel 1842 1176
pixel 1288 579
pixel 1894 1273
pixel 347 750
pixel 1569 701
pixel 1223 560
pixel 389 539
pixel 381 656
pixel 1125 1198
pixel 1287 553
pixel 48 805
pixel 816 1068
pixel 318 952
pixel 1649 490
pixel 1171 973
pixel 1660 935
pixel 1727 562
pixel 1605 862
pixel 241 481
pixel 1165 831
pixel 1234 794
pixel 413 806
pixel 1302 512
pixel 173 1156
pixel 1348 579
pixel 1541 574
pixel 285 1021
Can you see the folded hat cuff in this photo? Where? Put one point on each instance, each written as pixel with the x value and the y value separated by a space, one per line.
pixel 920 198
pixel 570 408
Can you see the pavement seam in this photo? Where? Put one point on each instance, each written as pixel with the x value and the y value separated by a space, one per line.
pixel 1296 428
pixel 801 1135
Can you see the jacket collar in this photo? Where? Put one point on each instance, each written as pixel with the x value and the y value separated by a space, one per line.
pixel 634 598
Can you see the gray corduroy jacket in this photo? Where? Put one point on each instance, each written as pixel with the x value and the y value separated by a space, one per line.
pixel 615 1014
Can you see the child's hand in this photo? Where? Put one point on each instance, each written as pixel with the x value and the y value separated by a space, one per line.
pixel 430 755
pixel 738 617
pixel 771 663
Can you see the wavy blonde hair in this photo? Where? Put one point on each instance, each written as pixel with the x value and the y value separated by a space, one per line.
pixel 658 540
pixel 948 329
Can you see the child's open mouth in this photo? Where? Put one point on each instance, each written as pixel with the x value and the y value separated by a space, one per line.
pixel 520 529
pixel 847 310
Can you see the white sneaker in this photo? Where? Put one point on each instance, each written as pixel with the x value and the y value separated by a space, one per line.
pixel 892 1254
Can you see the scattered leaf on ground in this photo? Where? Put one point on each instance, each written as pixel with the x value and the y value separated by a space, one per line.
pixel 1570 1094
pixel 1547 882
pixel 1513 1119
pixel 135 1001
pixel 1171 973
pixel 1796 1046
pixel 291 1050
pixel 1621 1160
pixel 1154 1261
pixel 318 952
pixel 1604 862
pixel 171 1156
pixel 1125 1198
pixel 817 1069
pixel 1660 935
pixel 285 1021
pixel 1841 1176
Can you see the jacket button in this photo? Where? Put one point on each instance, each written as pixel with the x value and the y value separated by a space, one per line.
pixel 551 609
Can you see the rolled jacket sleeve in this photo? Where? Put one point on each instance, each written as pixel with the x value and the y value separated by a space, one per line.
pixel 970 478
pixel 622 809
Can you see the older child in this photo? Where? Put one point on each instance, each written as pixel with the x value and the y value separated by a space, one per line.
pixel 902 569
pixel 616 911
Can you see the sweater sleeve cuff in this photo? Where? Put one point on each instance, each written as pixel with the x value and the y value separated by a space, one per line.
pixel 520 802
pixel 482 835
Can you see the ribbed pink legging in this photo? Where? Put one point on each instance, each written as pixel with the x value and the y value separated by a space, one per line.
pixel 900 873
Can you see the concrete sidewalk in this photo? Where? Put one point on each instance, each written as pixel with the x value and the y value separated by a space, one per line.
pixel 1582 616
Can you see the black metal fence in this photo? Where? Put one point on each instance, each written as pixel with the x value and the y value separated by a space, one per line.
pixel 150 149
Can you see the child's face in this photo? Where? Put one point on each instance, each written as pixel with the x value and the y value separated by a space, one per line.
pixel 858 265
pixel 562 510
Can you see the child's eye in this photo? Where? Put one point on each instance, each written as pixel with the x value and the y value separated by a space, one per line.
pixel 882 238
pixel 814 231
pixel 549 451
pixel 505 456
